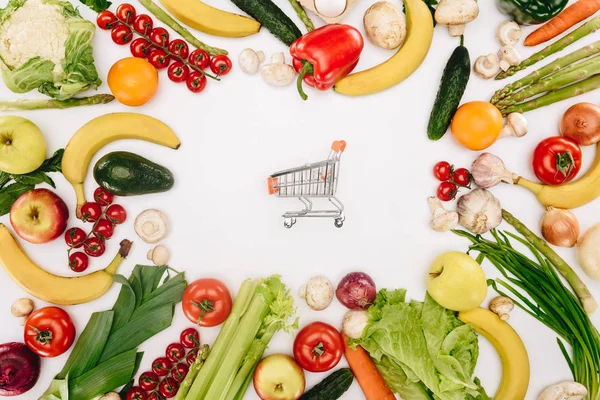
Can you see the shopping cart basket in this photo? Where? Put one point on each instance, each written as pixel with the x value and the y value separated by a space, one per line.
pixel 314 180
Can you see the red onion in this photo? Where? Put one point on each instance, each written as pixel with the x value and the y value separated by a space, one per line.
pixel 356 291
pixel 19 369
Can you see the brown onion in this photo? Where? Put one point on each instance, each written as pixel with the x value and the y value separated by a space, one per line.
pixel 581 123
pixel 356 291
pixel 560 227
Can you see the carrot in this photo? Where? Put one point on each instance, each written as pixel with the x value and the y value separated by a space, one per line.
pixel 572 15
pixel 369 379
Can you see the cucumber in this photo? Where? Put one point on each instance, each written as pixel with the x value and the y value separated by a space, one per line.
pixel 127 174
pixel 453 85
pixel 332 387
pixel 271 17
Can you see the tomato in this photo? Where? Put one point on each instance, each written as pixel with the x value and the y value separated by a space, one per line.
pixel 447 191
pixel 94 247
pixel 318 347
pixel 476 125
pixel 75 237
pixel 442 171
pixel 220 64
pixel 106 20
pixel 161 366
pixel 462 177
pixel 78 261
pixel 143 24
pixel 126 13
pixel 140 48
pixel 116 214
pixel 168 388
pixel 136 393
pixel 155 396
pixel 103 197
pixel 103 229
pixel 200 58
pixel 91 212
pixel 180 372
pixel 556 160
pixel 189 338
pixel 49 331
pixel 178 72
pixel 206 302
pixel 191 357
pixel 159 59
pixel 148 381
pixel 180 48
pixel 121 34
pixel 196 82
pixel 160 36
pixel 175 352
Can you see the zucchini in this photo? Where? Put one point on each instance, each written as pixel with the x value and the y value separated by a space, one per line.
pixel 272 18
pixel 127 174
pixel 453 85
pixel 332 387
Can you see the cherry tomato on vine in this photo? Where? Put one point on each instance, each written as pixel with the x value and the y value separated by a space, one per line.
pixel 75 237
pixel 191 357
pixel 159 59
pixel 155 396
pixel 148 381
pixel 116 214
pixel 136 393
pixel 143 24
pixel 178 72
pixel 78 261
pixel 91 212
pixel 220 64
pixel 106 20
pixel 161 366
pixel 160 36
pixel 442 171
pixel 318 347
pixel 94 247
pixel 556 160
pixel 206 302
pixel 126 13
pixel 196 82
pixel 180 372
pixel 447 191
pixel 104 229
pixel 140 48
pixel 168 388
pixel 103 197
pixel 179 47
pixel 175 352
pixel 49 331
pixel 121 34
pixel 189 338
pixel 462 177
pixel 200 58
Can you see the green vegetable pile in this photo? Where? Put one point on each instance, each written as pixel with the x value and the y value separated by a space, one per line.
pixel 422 350
pixel 105 357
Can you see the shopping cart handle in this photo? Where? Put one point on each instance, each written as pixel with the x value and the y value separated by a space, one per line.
pixel 338 146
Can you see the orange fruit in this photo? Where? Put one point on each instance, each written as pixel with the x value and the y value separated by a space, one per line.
pixel 476 125
pixel 133 81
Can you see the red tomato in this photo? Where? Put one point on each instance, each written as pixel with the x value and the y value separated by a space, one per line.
pixel 206 302
pixel 442 171
pixel 159 59
pixel 200 58
pixel 148 381
pixel 168 388
pixel 220 64
pixel 175 352
pixel 140 48
pixel 143 24
pixel 94 247
pixel 106 20
pixel 447 191
pixel 104 229
pixel 462 177
pixel 318 347
pixel 49 331
pixel 180 372
pixel 155 396
pixel 196 82
pixel 178 72
pixel 180 48
pixel 161 366
pixel 75 237
pixel 136 393
pixel 78 261
pixel 160 36
pixel 126 13
pixel 91 212
pixel 103 197
pixel 189 338
pixel 121 34
pixel 116 214
pixel 556 160
pixel 191 357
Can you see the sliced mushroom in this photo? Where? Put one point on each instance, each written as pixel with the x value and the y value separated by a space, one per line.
pixel 487 67
pixel 151 226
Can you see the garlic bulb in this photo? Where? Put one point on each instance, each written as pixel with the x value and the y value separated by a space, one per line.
pixel 560 227
pixel 489 170
pixel 479 211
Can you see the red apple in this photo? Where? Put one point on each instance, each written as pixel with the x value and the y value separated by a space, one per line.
pixel 279 377
pixel 39 216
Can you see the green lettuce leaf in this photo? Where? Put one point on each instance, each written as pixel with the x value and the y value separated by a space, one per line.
pixel 399 383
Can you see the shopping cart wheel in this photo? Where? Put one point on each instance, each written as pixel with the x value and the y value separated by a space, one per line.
pixel 289 222
pixel 338 222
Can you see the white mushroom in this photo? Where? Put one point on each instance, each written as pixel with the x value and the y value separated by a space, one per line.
pixel 318 293
pixel 509 56
pixel 509 33
pixel 516 125
pixel 502 306
pixel 21 307
pixel 455 14
pixel 23 320
pixel 110 396
pixel 564 391
pixel 442 220
pixel 151 226
pixel 385 25
pixel 354 323
pixel 487 67
pixel 159 255
pixel 278 73
pixel 249 60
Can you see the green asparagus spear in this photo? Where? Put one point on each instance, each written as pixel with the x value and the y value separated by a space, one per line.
pixel 177 27
pixel 302 15
pixel 27 104
pixel 584 30
pixel 566 92
pixel 185 386
pixel 551 68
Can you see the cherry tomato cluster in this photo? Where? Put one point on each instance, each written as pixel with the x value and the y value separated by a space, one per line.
pixel 452 179
pixel 169 371
pixel 155 46
pixel 104 215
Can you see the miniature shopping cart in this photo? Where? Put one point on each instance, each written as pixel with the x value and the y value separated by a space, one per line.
pixel 316 180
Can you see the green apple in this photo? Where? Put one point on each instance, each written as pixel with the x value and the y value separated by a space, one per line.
pixel 279 377
pixel 22 145
pixel 457 282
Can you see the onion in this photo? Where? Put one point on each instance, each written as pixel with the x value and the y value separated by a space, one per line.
pixel 588 252
pixel 581 123
pixel 356 291
pixel 19 369
pixel 560 227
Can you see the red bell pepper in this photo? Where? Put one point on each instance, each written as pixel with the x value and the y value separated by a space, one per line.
pixel 326 55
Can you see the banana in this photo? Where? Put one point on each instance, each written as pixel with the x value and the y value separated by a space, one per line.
pixel 402 64
pixel 510 348
pixel 52 288
pixel 103 130
pixel 213 21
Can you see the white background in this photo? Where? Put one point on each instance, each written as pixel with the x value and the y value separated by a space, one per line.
pixel 238 131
